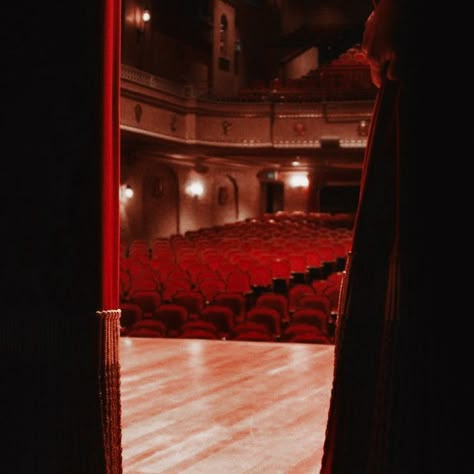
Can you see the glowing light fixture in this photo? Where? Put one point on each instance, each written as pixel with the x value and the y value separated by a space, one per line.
pixel 195 189
pixel 126 192
pixel 299 181
pixel 146 15
pixel 142 19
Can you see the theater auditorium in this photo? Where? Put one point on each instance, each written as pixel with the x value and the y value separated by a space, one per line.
pixel 182 235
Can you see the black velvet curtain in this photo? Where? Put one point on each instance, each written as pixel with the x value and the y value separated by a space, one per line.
pixel 59 320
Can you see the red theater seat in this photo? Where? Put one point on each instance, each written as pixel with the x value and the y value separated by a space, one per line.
pixel 147 328
pixel 296 292
pixel 276 301
pixel 312 316
pixel 198 329
pixel 148 300
pixel 317 301
pixel 172 316
pixel 130 313
pixel 221 317
pixel 269 317
pixel 302 332
pixel 235 301
pixel 192 300
pixel 251 331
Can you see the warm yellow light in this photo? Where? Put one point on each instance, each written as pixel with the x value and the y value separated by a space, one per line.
pixel 299 181
pixel 126 192
pixel 195 189
pixel 146 15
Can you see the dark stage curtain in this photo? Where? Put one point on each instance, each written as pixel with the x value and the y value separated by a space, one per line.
pixel 59 335
pixel 375 422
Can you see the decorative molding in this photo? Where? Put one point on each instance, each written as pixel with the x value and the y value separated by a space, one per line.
pixel 173 123
pixel 138 76
pixel 138 112
pixel 299 129
pixel 226 127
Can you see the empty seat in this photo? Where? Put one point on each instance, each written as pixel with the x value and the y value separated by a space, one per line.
pixel 142 283
pixel 163 268
pixel 260 276
pixel 251 331
pixel 171 287
pixel 238 281
pixel 270 317
pixel 210 288
pixel 172 316
pixel 221 317
pixel 192 300
pixel 147 328
pixel 304 333
pixel 125 285
pixel 332 292
pixel 296 292
pixel 235 301
pixel 150 324
pixel 312 316
pixel 318 301
pixel 280 269
pixel 130 313
pixel 144 332
pixel 148 300
pixel 276 301
pixel 198 329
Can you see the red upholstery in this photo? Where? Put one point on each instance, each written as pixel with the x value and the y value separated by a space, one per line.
pixel 320 301
pixel 198 329
pixel 312 316
pixel 276 301
pixel 130 313
pixel 210 288
pixel 238 281
pixel 172 316
pixel 143 332
pixel 270 317
pixel 192 300
pixel 148 300
pixel 235 301
pixel 221 317
pixel 301 332
pixel 296 292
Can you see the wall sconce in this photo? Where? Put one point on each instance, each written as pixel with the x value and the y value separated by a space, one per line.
pixel 363 128
pixel 144 17
pixel 299 181
pixel 195 189
pixel 126 192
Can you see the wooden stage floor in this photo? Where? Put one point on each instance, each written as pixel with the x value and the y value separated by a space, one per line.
pixel 193 406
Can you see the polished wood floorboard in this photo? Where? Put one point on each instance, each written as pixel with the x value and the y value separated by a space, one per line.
pixel 193 406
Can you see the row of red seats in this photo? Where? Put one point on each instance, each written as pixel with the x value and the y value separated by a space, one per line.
pixel 237 264
pixel 278 309
pixel 300 332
